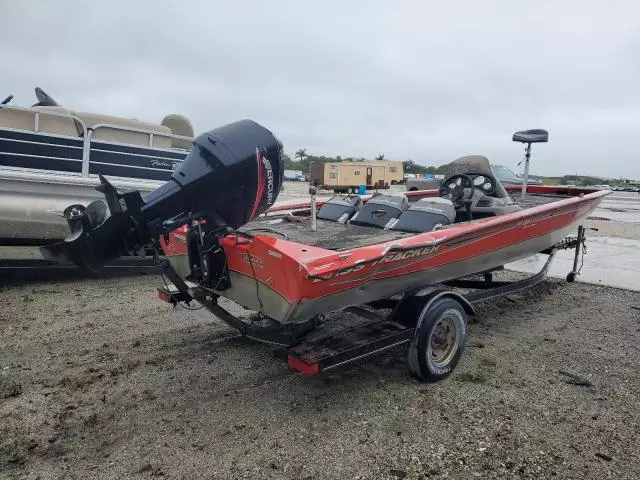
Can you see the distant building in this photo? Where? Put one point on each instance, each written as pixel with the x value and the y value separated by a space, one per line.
pixel 348 176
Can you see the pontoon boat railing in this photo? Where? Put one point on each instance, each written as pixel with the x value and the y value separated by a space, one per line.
pixel 87 132
pixel 36 119
pixel 151 133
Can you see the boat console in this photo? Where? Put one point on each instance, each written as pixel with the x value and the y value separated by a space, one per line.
pixel 474 190
pixel 470 191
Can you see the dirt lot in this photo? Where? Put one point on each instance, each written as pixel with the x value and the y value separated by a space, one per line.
pixel 100 380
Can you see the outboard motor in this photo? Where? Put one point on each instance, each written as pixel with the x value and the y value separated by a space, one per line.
pixel 232 174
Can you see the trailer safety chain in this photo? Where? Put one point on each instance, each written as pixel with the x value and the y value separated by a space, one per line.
pixel 584 252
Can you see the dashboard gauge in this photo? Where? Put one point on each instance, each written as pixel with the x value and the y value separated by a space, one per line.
pixel 487 186
pixel 479 180
pixel 452 185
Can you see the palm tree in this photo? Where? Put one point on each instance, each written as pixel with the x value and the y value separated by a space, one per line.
pixel 380 157
pixel 302 154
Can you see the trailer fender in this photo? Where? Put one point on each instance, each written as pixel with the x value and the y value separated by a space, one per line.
pixel 435 294
pixel 431 297
pixel 415 306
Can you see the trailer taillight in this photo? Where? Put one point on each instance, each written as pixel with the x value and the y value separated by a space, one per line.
pixel 303 367
pixel 166 296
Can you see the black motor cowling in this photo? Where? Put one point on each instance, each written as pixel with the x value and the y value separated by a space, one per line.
pixel 231 175
pixel 235 171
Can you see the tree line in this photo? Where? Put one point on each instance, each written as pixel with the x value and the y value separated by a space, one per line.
pixel 303 162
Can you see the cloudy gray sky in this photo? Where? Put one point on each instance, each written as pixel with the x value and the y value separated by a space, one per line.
pixel 425 80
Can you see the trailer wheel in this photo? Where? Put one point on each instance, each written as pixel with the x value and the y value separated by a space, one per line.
pixel 349 190
pixel 439 340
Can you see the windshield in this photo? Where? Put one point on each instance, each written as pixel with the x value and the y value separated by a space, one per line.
pixel 469 164
pixel 503 172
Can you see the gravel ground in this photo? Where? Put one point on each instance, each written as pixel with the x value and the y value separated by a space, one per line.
pixel 100 380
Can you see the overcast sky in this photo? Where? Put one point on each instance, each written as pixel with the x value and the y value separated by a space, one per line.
pixel 427 81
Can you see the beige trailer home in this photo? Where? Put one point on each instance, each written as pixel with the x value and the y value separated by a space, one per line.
pixel 348 176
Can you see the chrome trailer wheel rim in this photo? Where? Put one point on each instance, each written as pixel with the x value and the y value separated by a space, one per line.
pixel 444 339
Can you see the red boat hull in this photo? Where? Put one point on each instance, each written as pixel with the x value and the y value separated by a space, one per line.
pixel 291 282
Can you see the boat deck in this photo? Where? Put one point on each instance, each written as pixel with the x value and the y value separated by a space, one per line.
pixel 329 235
pixel 339 237
pixel 535 200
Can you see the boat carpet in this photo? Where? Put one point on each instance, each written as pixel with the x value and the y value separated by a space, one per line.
pixel 328 235
pixel 338 236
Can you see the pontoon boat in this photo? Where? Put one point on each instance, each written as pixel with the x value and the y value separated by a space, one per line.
pixel 50 157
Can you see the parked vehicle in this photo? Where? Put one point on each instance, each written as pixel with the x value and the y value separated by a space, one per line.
pixel 506 176
pixel 348 176
pixel 421 183
pixel 294 175
pixel 509 177
pixel 51 157
pixel 389 262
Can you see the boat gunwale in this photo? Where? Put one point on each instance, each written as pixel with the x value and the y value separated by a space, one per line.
pixel 343 260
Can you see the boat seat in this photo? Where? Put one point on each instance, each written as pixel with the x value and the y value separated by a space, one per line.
pixel 179 125
pixel 380 211
pixel 536 135
pixel 340 208
pixel 121 134
pixel 425 215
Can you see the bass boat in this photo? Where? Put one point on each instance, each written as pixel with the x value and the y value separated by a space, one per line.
pixel 392 261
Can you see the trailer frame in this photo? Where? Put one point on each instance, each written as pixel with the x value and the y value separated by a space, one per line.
pixel 384 324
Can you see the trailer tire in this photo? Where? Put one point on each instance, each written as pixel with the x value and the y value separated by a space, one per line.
pixel 439 340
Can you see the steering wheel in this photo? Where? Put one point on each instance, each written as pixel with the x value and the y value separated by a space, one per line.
pixel 454 189
pixel 7 100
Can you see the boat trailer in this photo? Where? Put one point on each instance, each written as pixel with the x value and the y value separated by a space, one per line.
pixel 432 320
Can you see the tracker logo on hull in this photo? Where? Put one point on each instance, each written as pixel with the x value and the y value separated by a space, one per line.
pixel 392 257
